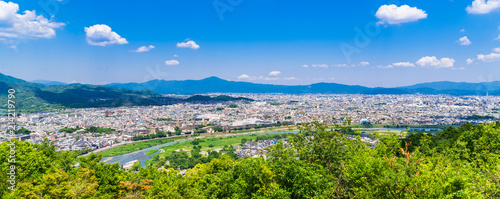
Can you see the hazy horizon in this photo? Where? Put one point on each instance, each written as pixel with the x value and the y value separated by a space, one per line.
pixel 252 82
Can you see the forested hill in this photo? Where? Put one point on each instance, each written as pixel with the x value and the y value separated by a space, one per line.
pixel 34 97
pixel 459 162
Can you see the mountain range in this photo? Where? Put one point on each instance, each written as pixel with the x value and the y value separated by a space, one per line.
pixel 217 85
pixel 47 95
pixel 44 95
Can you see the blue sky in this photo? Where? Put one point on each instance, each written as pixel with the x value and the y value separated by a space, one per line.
pixel 369 43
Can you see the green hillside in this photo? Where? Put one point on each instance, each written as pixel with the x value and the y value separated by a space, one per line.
pixel 317 163
pixel 34 97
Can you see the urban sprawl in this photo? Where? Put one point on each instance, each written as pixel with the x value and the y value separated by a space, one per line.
pixel 267 110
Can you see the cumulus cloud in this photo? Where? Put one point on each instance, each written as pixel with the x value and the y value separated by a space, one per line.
pixel 171 62
pixel 398 64
pixel 464 41
pixel 463 30
pixel 144 49
pixel 392 14
pixel 275 73
pixel 497 50
pixel 404 64
pixel 469 61
pixel 489 58
pixel 434 62
pixel 244 76
pixel 340 65
pixel 385 67
pixel 188 44
pixel 102 35
pixel 320 65
pixel 25 26
pixel 305 66
pixel 364 63
pixel 248 77
pixel 483 6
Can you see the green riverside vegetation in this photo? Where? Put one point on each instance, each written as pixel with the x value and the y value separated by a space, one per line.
pixel 136 146
pixel 151 152
pixel 458 162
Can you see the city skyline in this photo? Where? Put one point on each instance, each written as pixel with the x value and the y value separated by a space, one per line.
pixel 383 43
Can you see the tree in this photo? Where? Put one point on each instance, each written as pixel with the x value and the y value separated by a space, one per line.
pixel 22 131
pixel 161 134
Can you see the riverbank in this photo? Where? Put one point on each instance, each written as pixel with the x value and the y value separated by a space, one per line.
pixel 129 147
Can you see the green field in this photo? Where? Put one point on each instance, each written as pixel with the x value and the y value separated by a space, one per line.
pixel 207 144
pixel 216 143
pixel 148 153
pixel 136 146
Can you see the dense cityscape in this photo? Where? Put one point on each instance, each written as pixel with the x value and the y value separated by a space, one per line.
pixel 267 110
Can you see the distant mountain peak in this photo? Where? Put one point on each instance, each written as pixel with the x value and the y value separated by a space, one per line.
pixel 48 83
pixel 214 78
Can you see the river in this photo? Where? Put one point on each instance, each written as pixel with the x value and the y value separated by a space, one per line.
pixel 141 154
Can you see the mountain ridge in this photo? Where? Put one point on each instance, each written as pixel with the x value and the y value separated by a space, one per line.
pixel 35 97
pixel 217 85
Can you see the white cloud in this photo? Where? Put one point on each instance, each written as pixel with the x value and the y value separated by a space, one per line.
pixel 176 55
pixel 305 66
pixel 144 49
pixel 320 65
pixel 340 65
pixel 404 64
pixel 469 61
pixel 275 73
pixel 364 63
pixel 268 78
pixel 102 35
pixel 188 44
pixel 463 30
pixel 392 14
pixel 248 77
pixel 434 62
pixel 498 38
pixel 489 58
pixel 464 41
pixel 385 67
pixel 290 78
pixel 171 62
pixel 244 76
pixel 483 6
pixel 14 26
pixel 497 50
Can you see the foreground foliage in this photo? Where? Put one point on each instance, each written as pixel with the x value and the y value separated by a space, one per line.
pixel 456 163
